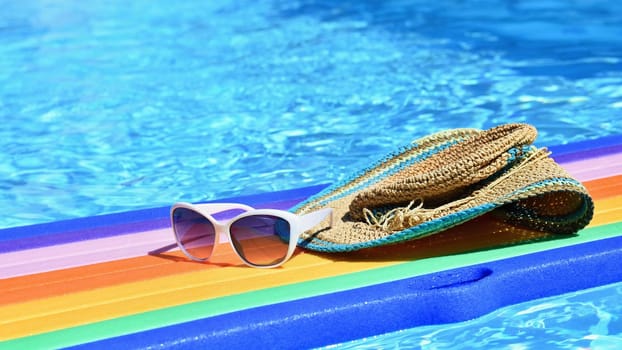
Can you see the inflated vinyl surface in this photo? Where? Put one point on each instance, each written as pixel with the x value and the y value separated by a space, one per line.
pixel 111 281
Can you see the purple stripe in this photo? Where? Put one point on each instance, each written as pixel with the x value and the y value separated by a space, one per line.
pixel 142 240
pixel 595 168
pixel 586 154
pixel 63 256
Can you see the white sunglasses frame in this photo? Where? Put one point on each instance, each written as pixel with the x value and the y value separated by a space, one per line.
pixel 298 225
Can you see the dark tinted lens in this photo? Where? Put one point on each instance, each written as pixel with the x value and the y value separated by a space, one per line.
pixel 261 240
pixel 194 232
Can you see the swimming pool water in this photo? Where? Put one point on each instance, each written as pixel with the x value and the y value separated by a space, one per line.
pixel 110 106
pixel 588 319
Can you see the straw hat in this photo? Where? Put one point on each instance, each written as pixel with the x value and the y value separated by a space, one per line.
pixel 446 179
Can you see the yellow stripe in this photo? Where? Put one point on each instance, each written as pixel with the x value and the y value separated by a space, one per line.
pixel 60 312
pixel 607 211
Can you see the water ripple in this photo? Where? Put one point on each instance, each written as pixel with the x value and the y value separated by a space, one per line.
pixel 116 106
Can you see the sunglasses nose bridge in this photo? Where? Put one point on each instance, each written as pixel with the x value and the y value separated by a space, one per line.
pixel 222 234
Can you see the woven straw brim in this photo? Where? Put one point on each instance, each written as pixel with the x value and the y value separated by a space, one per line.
pixel 444 180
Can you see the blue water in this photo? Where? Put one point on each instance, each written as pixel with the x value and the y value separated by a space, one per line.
pixel 109 106
pixel 588 319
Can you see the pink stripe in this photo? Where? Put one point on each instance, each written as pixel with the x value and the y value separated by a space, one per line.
pixel 595 168
pixel 81 253
pixel 139 244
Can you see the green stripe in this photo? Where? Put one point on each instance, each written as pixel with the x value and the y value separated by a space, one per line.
pixel 197 310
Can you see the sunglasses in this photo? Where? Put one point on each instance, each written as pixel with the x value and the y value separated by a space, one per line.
pixel 260 237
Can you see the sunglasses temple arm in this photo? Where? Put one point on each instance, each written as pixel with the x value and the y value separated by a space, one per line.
pixel 310 220
pixel 212 208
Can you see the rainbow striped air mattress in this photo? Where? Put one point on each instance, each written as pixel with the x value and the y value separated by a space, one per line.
pixel 109 281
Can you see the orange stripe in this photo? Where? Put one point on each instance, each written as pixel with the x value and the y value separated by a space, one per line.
pixel 83 278
pixel 605 187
